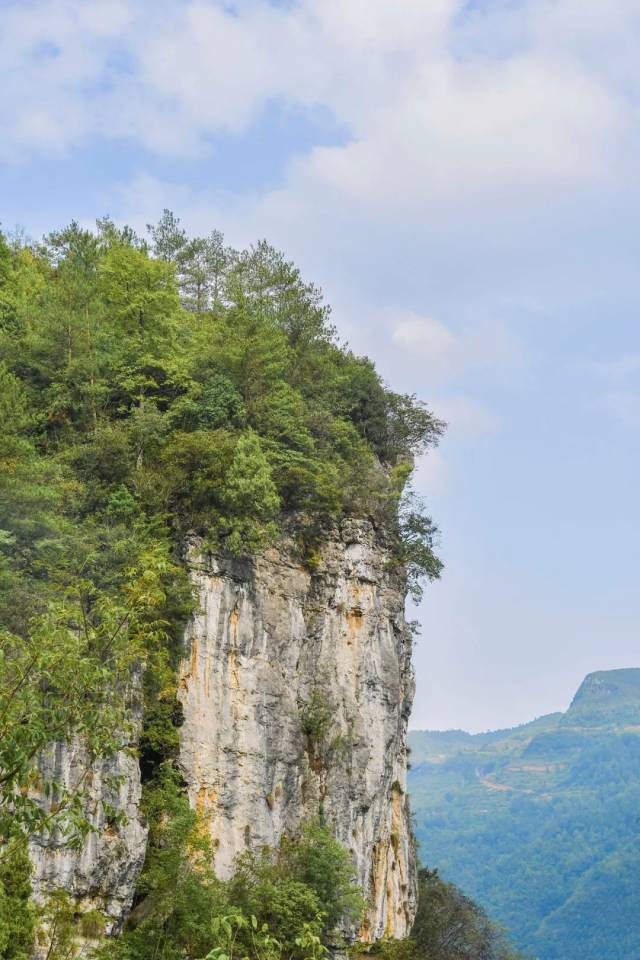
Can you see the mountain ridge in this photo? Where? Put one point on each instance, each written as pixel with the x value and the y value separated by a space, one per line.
pixel 540 823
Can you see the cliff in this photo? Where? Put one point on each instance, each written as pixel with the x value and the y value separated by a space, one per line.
pixel 102 872
pixel 296 687
pixel 296 694
pixel 280 710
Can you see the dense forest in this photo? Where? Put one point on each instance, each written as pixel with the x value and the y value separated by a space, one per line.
pixel 154 390
pixel 540 823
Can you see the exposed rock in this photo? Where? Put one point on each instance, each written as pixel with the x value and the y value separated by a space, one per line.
pixel 103 872
pixel 296 691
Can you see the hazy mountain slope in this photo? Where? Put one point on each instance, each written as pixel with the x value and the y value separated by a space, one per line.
pixel 606 899
pixel 541 823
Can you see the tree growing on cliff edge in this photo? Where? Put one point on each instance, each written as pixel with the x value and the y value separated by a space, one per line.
pixel 130 420
pixel 116 379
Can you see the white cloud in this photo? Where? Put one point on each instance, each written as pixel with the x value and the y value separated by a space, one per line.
pixel 428 109
pixel 464 416
pixel 472 131
pixel 437 346
pixel 445 356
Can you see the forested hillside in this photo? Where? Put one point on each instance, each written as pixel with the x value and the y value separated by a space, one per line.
pixel 152 391
pixel 541 823
pixel 156 390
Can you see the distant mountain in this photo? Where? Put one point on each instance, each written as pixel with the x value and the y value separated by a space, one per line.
pixel 541 824
pixel 609 697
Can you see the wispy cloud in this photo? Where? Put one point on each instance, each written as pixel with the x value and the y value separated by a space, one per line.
pixel 465 416
pixel 446 356
pixel 415 85
pixel 435 344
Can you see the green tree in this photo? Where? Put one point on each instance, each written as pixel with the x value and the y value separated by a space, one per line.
pixel 250 497
pixel 69 677
pixel 418 535
pixel 317 859
pixel 17 913
pixel 7 303
pixel 139 296
pixel 147 393
pixel 167 236
pixel 203 265
pixel 450 926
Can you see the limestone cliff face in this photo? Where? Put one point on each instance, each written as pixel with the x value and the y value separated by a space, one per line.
pixel 296 689
pixel 102 873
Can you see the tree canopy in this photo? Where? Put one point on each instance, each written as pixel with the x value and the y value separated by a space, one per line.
pixel 152 389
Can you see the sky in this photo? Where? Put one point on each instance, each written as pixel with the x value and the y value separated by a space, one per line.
pixel 461 179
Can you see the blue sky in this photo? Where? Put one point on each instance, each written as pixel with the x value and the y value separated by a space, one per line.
pixel 461 179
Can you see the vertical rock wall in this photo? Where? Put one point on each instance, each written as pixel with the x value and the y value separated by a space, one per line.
pixel 296 691
pixel 102 873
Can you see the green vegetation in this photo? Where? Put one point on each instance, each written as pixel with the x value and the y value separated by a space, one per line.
pixel 136 412
pixel 150 391
pixel 540 824
pixel 609 698
pixel 448 926
pixel 17 914
pixel 280 903
pixel 63 933
pixel 324 745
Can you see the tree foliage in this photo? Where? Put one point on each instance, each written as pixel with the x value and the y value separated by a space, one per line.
pixel 17 913
pixel 450 926
pixel 117 379
pixel 539 824
pixel 151 390
pixel 281 903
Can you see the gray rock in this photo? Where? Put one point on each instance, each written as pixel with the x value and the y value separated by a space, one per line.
pixel 296 689
pixel 102 873
pixel 273 643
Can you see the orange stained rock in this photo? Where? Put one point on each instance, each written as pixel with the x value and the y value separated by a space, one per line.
pixel 194 657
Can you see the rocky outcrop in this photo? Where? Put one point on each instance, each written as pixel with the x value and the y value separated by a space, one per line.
pixel 102 872
pixel 296 691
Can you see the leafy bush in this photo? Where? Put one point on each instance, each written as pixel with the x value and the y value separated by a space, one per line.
pixel 297 893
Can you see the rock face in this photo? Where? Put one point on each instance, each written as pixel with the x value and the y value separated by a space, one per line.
pixel 102 874
pixel 296 689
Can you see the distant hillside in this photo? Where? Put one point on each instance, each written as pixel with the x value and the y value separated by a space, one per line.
pixel 607 697
pixel 541 823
